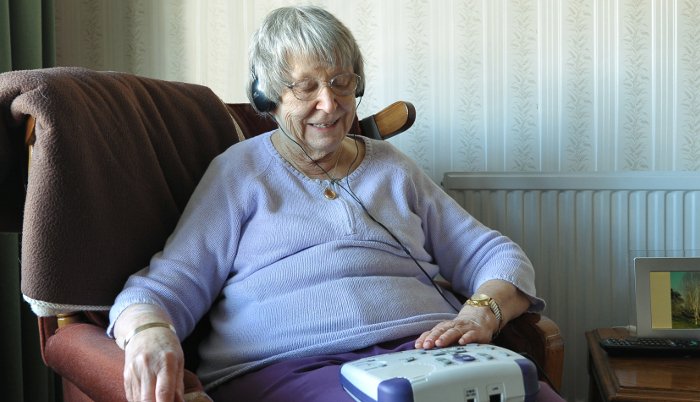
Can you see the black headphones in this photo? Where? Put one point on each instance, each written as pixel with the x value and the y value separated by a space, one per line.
pixel 261 102
pixel 265 105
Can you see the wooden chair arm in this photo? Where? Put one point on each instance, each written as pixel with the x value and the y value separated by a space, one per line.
pixel 538 337
pixel 390 121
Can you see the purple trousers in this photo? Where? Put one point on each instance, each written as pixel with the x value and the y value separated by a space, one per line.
pixel 314 379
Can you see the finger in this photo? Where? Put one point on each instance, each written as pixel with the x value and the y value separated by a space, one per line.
pixel 166 388
pixel 471 336
pixel 449 337
pixel 147 389
pixel 131 384
pixel 421 339
pixel 139 378
pixel 138 386
pixel 429 339
pixel 180 394
pixel 474 332
pixel 169 383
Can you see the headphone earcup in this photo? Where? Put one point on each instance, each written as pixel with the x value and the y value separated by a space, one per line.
pixel 360 91
pixel 260 101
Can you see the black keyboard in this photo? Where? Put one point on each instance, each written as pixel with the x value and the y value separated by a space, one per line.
pixel 651 346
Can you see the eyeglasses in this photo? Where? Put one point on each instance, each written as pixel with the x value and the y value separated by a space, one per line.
pixel 308 88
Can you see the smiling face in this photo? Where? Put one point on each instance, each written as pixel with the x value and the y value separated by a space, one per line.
pixel 319 124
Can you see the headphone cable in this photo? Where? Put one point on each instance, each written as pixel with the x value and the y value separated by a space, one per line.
pixel 352 195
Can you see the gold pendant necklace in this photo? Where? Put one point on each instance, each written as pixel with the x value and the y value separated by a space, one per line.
pixel 328 192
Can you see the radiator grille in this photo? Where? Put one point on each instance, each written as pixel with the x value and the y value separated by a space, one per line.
pixel 581 232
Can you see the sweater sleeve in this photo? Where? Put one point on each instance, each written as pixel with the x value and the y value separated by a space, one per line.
pixel 468 252
pixel 187 275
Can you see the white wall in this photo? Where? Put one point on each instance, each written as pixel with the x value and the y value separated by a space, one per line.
pixel 499 85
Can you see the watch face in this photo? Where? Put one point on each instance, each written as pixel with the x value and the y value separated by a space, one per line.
pixel 480 298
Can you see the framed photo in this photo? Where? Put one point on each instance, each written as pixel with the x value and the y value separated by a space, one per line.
pixel 667 293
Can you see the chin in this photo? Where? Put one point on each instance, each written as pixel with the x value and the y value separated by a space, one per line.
pixel 326 143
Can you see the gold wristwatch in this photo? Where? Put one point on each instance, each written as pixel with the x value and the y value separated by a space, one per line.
pixel 482 300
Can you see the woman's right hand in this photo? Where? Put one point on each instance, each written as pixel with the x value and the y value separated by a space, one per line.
pixel 154 367
pixel 154 360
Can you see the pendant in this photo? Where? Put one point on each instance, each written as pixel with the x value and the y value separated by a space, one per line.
pixel 329 194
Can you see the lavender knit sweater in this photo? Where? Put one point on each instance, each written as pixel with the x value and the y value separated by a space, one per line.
pixel 288 273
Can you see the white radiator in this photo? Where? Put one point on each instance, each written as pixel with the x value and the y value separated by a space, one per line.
pixel 581 232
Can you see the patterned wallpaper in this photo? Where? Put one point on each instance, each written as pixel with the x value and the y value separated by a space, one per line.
pixel 499 85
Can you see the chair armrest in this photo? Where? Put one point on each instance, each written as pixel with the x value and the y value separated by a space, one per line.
pixel 538 337
pixel 84 355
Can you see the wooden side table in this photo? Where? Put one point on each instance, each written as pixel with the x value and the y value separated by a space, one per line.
pixel 639 378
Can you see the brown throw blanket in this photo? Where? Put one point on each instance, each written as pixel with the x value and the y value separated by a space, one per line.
pixel 115 161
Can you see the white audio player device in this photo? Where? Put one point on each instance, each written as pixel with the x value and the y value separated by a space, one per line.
pixel 469 373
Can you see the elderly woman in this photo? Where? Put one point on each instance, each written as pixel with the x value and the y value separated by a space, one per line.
pixel 311 246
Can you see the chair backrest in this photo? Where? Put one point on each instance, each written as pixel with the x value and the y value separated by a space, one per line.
pixel 114 163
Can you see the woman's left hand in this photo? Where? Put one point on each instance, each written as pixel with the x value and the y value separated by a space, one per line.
pixel 472 325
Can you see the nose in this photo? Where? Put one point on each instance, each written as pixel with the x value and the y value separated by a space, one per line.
pixel 326 99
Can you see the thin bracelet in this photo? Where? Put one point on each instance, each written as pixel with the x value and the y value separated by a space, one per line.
pixel 144 327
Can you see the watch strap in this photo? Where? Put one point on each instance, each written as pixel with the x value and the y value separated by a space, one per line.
pixel 496 309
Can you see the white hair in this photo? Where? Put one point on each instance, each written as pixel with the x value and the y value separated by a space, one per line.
pixel 307 32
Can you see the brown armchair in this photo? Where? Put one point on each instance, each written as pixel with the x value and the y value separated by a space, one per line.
pixel 114 158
